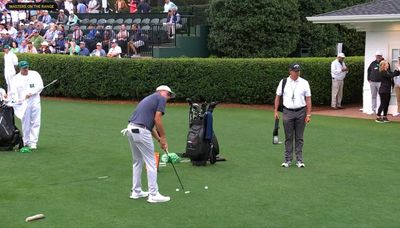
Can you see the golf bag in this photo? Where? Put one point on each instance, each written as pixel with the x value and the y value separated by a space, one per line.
pixel 202 144
pixel 10 136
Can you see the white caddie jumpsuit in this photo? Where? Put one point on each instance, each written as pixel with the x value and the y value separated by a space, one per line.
pixel 10 61
pixel 20 87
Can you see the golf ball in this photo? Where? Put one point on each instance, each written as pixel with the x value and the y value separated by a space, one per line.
pixel 177 190
pixel 205 187
pixel 187 192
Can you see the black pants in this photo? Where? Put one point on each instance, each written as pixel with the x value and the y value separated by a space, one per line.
pixel 385 99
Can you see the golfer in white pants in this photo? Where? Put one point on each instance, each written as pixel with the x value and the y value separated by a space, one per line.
pixel 10 61
pixel 25 91
pixel 144 123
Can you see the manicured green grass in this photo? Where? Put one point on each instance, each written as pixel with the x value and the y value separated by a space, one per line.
pixel 350 179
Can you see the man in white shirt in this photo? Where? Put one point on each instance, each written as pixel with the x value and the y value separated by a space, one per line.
pixel 25 91
pixel 296 113
pixel 10 61
pixel 338 73
pixel 115 50
pixel 169 5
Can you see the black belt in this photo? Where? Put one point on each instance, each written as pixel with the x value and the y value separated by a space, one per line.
pixel 294 109
pixel 140 125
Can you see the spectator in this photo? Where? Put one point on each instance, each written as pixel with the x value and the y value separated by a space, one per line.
pixel 374 79
pixel 115 50
pixel 14 17
pixel 108 35
pixel 5 17
pixel 99 52
pixel 12 31
pixel 72 19
pixel 46 18
pixel 60 43
pixel 44 48
pixel 132 6
pixel 93 6
pixel 30 29
pixel 31 49
pixel 397 88
pixel 61 31
pixel 22 16
pixel 77 34
pixel 81 7
pixel 120 5
pixel 122 37
pixel 36 39
pixel 169 5
pixel 83 49
pixel 338 73
pixel 7 39
pixel 91 37
pixel 173 22
pixel 14 47
pixel 135 41
pixel 73 48
pixel 60 4
pixel 61 18
pixel 51 34
pixel 23 47
pixel 385 90
pixel 19 38
pixel 144 7
pixel 69 6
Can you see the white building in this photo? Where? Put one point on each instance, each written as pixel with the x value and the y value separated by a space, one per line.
pixel 380 19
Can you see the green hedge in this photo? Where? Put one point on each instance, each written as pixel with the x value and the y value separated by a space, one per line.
pixel 246 81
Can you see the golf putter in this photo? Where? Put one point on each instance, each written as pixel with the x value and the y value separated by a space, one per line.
pixel 179 179
pixel 275 138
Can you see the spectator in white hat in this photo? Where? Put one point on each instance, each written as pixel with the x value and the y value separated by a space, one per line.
pixel 115 50
pixel 99 51
pixel 338 73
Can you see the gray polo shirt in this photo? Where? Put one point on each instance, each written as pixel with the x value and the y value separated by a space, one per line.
pixel 146 110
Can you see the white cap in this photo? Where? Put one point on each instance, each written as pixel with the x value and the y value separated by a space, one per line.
pixel 98 44
pixel 341 55
pixel 378 53
pixel 166 88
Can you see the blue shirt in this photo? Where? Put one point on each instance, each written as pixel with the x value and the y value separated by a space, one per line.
pixel 147 108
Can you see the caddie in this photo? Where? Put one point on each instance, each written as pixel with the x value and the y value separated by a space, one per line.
pixel 25 91
pixel 10 62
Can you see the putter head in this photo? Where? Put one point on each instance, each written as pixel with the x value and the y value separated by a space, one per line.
pixel 275 139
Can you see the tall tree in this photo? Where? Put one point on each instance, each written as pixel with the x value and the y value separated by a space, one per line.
pixel 253 28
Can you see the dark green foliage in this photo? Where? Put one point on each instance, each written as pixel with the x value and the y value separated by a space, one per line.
pixel 246 81
pixel 321 39
pixel 253 28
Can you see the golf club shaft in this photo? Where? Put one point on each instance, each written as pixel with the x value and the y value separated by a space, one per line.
pixel 173 166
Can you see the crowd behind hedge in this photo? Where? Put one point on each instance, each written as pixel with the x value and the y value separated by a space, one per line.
pixel 244 81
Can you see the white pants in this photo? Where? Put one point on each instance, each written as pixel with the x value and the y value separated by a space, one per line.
pixel 8 75
pixel 142 148
pixel 31 124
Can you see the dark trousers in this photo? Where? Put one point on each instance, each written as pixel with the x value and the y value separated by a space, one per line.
pixel 385 99
pixel 294 124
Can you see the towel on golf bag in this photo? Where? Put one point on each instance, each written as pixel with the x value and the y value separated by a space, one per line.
pixel 209 126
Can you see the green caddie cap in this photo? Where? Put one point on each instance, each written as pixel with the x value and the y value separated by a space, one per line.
pixel 23 64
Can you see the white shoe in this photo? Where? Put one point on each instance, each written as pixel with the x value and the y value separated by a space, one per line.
pixel 33 147
pixel 158 198
pixel 141 194
pixel 286 164
pixel 300 164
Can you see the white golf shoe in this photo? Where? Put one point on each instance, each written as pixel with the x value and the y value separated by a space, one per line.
pixel 137 195
pixel 158 198
pixel 300 164
pixel 286 164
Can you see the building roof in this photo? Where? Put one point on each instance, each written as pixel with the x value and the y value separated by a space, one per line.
pixel 370 12
pixel 382 7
